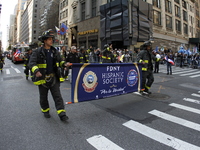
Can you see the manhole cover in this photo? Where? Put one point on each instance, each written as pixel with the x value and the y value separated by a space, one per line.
pixel 158 96
pixel 12 78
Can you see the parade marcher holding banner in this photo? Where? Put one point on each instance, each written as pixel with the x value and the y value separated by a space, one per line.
pixel 145 57
pixel 46 64
pixel 107 55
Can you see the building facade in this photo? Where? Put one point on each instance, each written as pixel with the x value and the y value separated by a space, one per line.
pixel 20 10
pixel 173 23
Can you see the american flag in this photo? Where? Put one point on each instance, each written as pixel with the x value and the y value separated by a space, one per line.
pixel 169 60
pixel 57 30
pixel 17 53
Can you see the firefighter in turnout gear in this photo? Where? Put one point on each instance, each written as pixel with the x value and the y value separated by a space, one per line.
pixel 107 56
pixel 2 58
pixel 26 63
pixel 146 57
pixel 46 63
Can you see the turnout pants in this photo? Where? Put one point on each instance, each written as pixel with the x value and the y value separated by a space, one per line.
pixel 56 94
pixel 147 79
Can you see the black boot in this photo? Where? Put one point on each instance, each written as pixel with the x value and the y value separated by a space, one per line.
pixel 147 91
pixel 47 115
pixel 64 118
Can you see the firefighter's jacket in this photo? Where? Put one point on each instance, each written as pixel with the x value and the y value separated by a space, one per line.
pixel 144 56
pixel 107 56
pixel 26 59
pixel 38 63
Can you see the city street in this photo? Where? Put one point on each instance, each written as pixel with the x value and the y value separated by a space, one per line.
pixel 168 119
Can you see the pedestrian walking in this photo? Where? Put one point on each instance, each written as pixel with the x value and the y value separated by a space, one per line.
pixel 157 62
pixel 46 63
pixel 169 59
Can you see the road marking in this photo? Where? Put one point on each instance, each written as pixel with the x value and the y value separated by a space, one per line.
pixel 194 76
pixel 197 95
pixel 7 71
pixel 181 72
pixel 102 143
pixel 197 111
pixel 160 136
pixel 190 73
pixel 192 100
pixel 176 120
pixel 17 70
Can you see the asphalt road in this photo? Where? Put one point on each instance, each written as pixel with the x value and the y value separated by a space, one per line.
pixel 167 119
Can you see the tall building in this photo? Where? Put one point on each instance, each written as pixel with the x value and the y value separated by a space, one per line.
pixel 49 15
pixel 30 22
pixel 12 30
pixel 20 10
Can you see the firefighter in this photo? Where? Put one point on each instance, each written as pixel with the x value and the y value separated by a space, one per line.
pixel 46 63
pixel 72 57
pixel 82 56
pixel 2 58
pixel 26 63
pixel 107 56
pixel 146 57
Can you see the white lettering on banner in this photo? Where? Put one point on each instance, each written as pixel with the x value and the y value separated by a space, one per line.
pixel 113 68
pixel 112 80
pixel 114 90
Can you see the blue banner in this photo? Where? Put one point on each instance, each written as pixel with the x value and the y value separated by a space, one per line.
pixel 96 81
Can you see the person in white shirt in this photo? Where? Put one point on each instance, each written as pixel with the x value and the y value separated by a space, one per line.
pixel 157 62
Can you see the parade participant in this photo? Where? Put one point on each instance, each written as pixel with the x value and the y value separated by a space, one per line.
pixel 45 63
pixel 169 58
pixel 82 56
pixel 157 62
pixel 145 57
pixel 72 57
pixel 2 58
pixel 107 55
pixel 26 63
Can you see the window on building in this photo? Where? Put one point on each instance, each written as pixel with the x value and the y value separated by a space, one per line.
pixel 156 17
pixel 108 1
pixel 83 11
pixel 168 21
pixel 177 1
pixel 185 15
pixel 94 8
pixel 144 0
pixel 184 4
pixel 191 31
pixel 168 6
pixel 177 11
pixel 185 28
pixel 191 20
pixel 198 23
pixel 178 25
pixel 64 3
pixel 66 13
pixel 156 3
pixel 197 13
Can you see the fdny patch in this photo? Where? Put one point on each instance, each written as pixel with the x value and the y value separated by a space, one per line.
pixel 132 77
pixel 89 81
